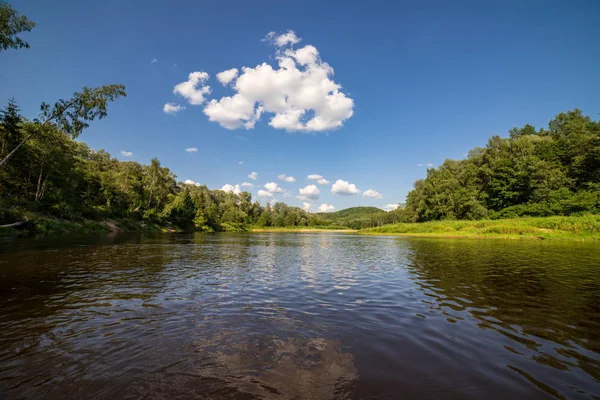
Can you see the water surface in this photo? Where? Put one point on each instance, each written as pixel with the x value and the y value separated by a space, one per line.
pixel 294 316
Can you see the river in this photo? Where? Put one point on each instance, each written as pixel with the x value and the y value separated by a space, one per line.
pixel 291 315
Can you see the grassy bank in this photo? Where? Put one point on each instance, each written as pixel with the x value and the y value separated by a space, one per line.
pixel 585 227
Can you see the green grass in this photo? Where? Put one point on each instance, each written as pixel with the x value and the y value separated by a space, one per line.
pixel 574 227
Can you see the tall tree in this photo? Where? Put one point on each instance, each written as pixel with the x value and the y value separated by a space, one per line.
pixel 72 116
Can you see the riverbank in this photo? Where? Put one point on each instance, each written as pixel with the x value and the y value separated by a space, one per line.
pixel 34 224
pixel 585 227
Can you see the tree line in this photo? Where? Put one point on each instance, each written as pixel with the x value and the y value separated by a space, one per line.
pixel 533 172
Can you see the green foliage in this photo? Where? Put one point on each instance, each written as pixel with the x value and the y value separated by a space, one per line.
pixel 530 173
pixel 579 227
pixel 11 24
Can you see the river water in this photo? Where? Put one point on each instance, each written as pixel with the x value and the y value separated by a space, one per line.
pixel 298 316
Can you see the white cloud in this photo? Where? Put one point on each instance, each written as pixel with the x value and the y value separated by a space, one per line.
pixel 126 153
pixel 326 208
pixel 264 194
pixel 253 176
pixel 391 207
pixel 419 165
pixel 191 149
pixel 193 89
pixel 172 108
pixel 344 188
pixel 372 194
pixel 282 40
pixel 154 60
pixel 273 187
pixel 309 192
pixel 227 76
pixel 299 92
pixel 314 177
pixel 286 178
pixel 306 206
pixel 323 181
pixel 247 184
pixel 191 182
pixel 240 162
pixel 429 165
pixel 231 189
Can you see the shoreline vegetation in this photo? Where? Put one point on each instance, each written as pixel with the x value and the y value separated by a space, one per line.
pixel 585 228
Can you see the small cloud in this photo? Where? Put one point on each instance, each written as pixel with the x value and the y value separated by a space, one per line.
pixel 253 176
pixel 309 192
pixel 231 189
pixel 240 162
pixel 273 187
pixel 283 39
pixel 314 177
pixel 191 182
pixel 264 194
pixel 326 208
pixel 172 108
pixel 391 207
pixel 247 184
pixel 154 60
pixel 344 188
pixel 126 153
pixel 323 181
pixel 430 165
pixel 191 149
pixel 194 90
pixel 306 206
pixel 227 76
pixel 372 194
pixel 419 165
pixel 286 178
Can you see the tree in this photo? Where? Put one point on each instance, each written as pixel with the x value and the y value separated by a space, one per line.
pixel 72 116
pixel 11 24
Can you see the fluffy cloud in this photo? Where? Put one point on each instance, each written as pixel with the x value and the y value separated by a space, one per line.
pixel 372 194
pixel 306 206
pixel 191 182
pixel 227 76
pixel 247 184
pixel 253 176
pixel 194 89
pixel 264 194
pixel 126 153
pixel 309 192
pixel 299 92
pixel 273 187
pixel 172 108
pixel 323 181
pixel 231 189
pixel 286 178
pixel 326 208
pixel 282 40
pixel 314 177
pixel 344 188
pixel 391 207
pixel 191 149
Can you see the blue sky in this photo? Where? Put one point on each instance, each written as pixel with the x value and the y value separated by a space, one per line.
pixel 423 81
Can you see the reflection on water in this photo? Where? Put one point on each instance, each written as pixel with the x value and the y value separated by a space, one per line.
pixel 298 316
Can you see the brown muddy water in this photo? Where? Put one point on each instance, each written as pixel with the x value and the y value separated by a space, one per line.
pixel 298 316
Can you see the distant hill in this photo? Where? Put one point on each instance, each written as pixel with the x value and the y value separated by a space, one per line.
pixel 354 217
